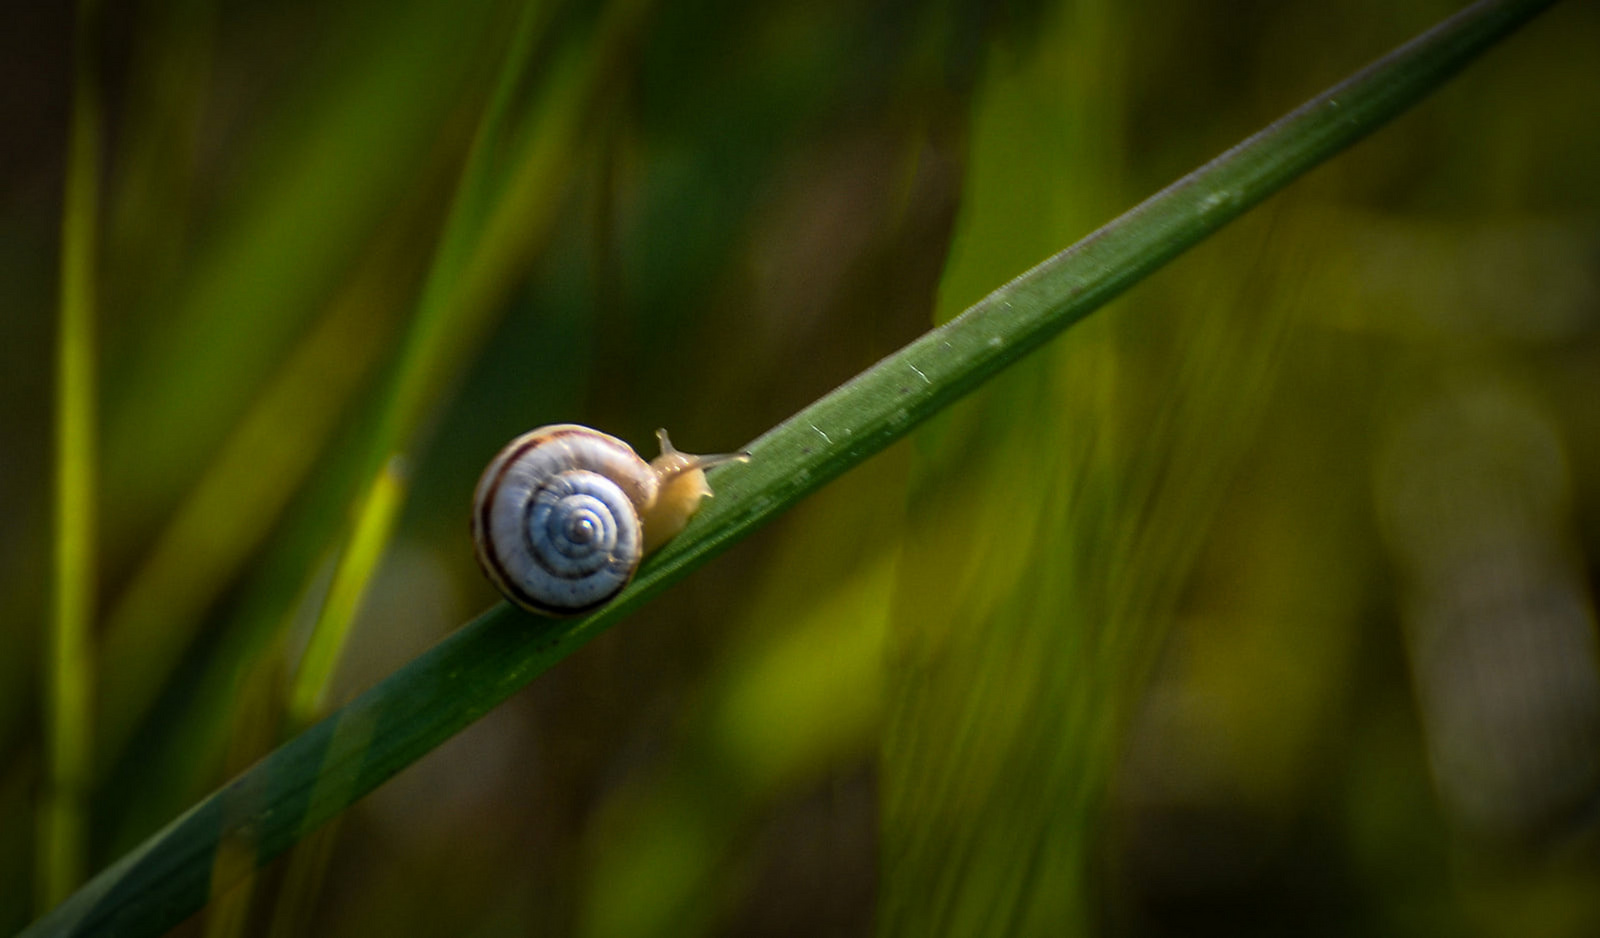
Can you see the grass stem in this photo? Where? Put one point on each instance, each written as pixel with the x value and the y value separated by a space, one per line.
pixel 69 668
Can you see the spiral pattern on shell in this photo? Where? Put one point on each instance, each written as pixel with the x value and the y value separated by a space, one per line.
pixel 556 518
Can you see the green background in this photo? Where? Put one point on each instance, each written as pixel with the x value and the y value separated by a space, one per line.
pixel 1261 602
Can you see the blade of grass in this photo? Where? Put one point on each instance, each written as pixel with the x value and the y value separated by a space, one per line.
pixel 69 679
pixel 266 551
pixel 310 182
pixel 232 508
pixel 374 523
pixel 454 313
pixel 485 245
pixel 384 494
pixel 315 775
pixel 317 310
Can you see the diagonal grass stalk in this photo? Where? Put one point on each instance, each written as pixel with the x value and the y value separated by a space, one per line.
pixel 69 669
pixel 317 774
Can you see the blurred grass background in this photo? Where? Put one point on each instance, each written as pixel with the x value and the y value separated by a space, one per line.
pixel 1260 602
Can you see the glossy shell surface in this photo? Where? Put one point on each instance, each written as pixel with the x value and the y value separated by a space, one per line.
pixel 556 518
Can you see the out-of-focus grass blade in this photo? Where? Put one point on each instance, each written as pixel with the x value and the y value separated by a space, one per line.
pixel 284 478
pixel 665 850
pixel 271 251
pixel 360 558
pixel 459 300
pixel 69 672
pixel 486 244
pixel 310 180
pixel 234 505
pixel 1003 627
pixel 222 283
pixel 318 773
pixel 662 859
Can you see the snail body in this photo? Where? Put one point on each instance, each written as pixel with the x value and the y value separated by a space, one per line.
pixel 563 515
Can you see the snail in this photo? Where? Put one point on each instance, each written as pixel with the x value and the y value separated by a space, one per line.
pixel 563 514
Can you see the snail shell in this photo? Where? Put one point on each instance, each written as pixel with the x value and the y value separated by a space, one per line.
pixel 563 514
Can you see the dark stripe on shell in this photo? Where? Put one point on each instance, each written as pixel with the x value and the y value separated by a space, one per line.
pixel 490 565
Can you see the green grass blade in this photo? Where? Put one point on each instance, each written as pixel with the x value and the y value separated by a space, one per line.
pixel 379 511
pixel 232 508
pixel 318 174
pixel 318 773
pixel 274 271
pixel 486 244
pixel 63 827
